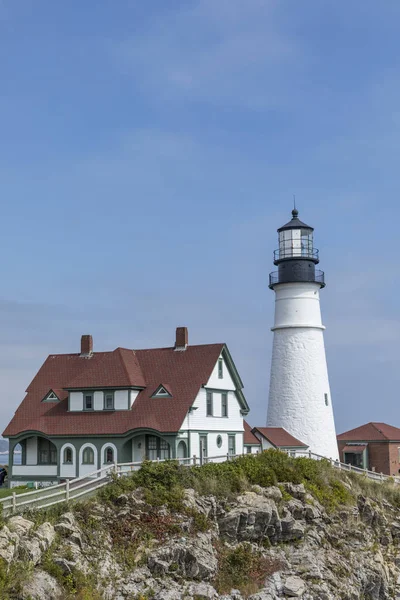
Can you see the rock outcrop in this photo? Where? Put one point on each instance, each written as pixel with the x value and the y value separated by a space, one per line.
pixel 132 550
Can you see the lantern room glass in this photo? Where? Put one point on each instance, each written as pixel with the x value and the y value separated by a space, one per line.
pixel 296 242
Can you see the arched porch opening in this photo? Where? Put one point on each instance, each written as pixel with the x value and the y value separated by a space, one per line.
pixel 34 450
pixel 18 454
pixel 182 451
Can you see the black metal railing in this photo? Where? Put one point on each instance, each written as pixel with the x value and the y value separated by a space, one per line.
pixel 318 277
pixel 286 252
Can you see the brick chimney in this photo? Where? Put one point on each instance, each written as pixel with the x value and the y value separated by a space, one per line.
pixel 86 346
pixel 182 338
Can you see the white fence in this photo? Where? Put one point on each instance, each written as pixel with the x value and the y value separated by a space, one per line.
pixel 75 489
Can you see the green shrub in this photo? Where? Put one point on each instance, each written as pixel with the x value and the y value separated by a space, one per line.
pixel 243 569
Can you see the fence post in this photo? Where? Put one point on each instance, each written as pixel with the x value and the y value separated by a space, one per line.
pixel 194 460
pixel 67 490
pixel 227 456
pixel 381 476
pixel 14 502
pixel 309 454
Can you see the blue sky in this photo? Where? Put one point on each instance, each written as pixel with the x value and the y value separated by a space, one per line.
pixel 149 151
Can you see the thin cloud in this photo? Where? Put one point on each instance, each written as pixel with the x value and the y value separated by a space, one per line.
pixel 217 51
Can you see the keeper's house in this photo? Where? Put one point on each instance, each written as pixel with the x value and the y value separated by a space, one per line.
pixel 83 411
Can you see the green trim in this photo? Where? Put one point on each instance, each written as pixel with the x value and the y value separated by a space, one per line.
pixel 236 379
pixel 99 388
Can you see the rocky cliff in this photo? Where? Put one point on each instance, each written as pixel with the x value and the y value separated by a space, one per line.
pixel 327 537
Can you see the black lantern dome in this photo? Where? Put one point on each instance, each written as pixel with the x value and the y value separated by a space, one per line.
pixel 296 256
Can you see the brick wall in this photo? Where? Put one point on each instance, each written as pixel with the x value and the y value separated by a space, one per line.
pixel 394 458
pixel 378 457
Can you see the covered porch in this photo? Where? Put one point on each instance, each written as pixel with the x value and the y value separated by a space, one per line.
pixel 33 457
pixel 150 445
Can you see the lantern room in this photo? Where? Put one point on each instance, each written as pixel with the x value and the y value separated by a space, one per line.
pixel 295 241
pixel 296 257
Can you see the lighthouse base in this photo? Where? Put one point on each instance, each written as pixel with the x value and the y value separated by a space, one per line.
pixel 299 395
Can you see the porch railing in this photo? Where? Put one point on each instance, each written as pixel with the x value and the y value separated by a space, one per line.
pixel 86 485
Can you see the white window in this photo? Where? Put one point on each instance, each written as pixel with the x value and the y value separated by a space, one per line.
pixel 248 449
pixel 88 456
pixel 209 404
pixel 220 368
pixel 68 456
pixel 109 455
pixel 224 404
pixel 231 445
pixel 88 402
pixel 109 401
pixel 203 447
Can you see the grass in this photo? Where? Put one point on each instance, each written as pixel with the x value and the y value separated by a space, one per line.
pixel 4 492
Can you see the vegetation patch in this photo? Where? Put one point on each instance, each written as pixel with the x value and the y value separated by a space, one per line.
pixel 163 483
pixel 244 569
pixel 13 578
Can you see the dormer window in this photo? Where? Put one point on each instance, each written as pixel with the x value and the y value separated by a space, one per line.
pixel 109 401
pixel 88 402
pixel 51 397
pixel 161 392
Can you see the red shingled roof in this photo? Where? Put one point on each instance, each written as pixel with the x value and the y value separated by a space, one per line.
pixel 279 437
pixel 248 437
pixel 371 432
pixel 185 372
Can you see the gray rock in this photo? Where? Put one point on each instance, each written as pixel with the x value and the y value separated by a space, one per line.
pixel 69 518
pixel 291 529
pixel 205 505
pixel 202 590
pixel 312 512
pixel 193 558
pixel 8 544
pixel 68 530
pixel 294 587
pixel 274 493
pixel 252 519
pixel 297 490
pixel 19 525
pixel 30 550
pixel 263 595
pixel 42 587
pixel 46 535
pixel 296 508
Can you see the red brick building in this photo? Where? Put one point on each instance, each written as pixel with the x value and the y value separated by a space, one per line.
pixel 374 446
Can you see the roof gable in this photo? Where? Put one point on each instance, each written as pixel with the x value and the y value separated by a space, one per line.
pixel 371 432
pixel 248 436
pixel 279 437
pixel 119 368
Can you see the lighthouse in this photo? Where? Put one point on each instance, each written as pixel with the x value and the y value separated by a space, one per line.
pixel 299 395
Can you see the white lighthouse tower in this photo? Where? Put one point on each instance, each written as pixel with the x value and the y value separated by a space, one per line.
pixel 299 394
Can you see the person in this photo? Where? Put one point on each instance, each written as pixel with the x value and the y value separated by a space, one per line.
pixel 3 474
